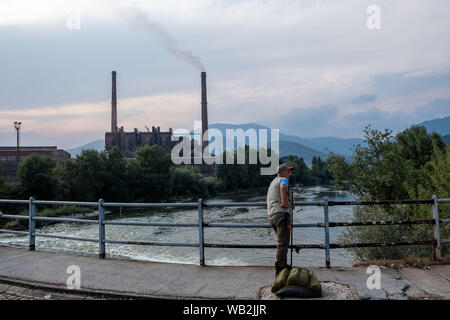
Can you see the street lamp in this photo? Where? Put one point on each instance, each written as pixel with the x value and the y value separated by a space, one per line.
pixel 17 127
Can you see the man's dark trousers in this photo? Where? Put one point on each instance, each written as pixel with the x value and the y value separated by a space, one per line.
pixel 283 236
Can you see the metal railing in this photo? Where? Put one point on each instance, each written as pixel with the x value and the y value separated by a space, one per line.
pixel 201 225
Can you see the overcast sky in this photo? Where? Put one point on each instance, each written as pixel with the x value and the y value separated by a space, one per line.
pixel 310 68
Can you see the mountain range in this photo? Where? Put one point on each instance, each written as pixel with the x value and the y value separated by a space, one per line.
pixel 304 147
pixel 441 126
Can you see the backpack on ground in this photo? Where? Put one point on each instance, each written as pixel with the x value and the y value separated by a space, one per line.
pixel 297 282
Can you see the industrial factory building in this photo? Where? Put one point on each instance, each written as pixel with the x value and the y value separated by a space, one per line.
pixel 8 157
pixel 128 142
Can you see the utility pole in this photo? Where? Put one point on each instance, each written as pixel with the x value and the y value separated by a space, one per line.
pixel 17 127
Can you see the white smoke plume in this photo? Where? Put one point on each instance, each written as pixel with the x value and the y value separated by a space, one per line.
pixel 139 19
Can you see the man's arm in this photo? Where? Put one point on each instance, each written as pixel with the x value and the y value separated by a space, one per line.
pixel 283 191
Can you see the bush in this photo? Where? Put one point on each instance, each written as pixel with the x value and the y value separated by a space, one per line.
pixel 411 165
pixel 66 210
pixel 189 180
pixel 38 177
pixel 386 233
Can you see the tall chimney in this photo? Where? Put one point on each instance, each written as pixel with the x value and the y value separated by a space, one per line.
pixel 204 111
pixel 114 104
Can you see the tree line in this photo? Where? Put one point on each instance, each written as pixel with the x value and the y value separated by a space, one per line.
pixel 150 176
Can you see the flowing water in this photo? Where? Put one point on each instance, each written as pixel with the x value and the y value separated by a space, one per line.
pixel 213 256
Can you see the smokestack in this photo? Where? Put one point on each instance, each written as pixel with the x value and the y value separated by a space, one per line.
pixel 114 104
pixel 204 111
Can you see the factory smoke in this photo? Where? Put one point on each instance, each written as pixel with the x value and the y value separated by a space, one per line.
pixel 139 19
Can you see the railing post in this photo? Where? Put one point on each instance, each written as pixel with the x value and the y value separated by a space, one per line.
pixel 200 232
pixel 327 233
pixel 31 224
pixel 437 237
pixel 101 229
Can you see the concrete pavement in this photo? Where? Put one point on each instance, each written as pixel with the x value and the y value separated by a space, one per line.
pixel 137 279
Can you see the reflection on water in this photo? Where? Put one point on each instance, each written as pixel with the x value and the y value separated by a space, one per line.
pixel 213 256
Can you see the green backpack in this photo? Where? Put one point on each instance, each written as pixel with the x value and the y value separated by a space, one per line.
pixel 297 282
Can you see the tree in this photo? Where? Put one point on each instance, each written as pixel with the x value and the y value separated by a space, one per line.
pixel 383 165
pixel 37 176
pixel 188 181
pixel 301 173
pixel 150 173
pixel 234 176
pixel 411 165
pixel 2 183
pixel 438 183
pixel 116 178
pixel 153 159
pixel 85 177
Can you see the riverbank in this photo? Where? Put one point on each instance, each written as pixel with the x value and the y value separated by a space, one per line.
pixel 65 211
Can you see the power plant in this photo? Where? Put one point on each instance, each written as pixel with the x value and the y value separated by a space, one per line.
pixel 128 142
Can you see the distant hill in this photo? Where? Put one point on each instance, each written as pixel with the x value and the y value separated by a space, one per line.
pixel 322 145
pixel 326 144
pixel 293 148
pixel 287 146
pixel 446 139
pixel 98 145
pixel 441 126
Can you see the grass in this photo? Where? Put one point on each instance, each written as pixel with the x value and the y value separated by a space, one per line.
pixel 409 261
pixel 63 211
pixel 59 211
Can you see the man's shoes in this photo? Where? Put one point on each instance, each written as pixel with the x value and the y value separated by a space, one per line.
pixel 278 268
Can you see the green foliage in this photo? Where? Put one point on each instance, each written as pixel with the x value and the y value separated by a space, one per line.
pixel 85 178
pixel 150 174
pixel 385 167
pixel 240 174
pixel 65 210
pixel 386 233
pixel 189 181
pixel 115 188
pixel 3 185
pixel 37 175
pixel 15 224
pixel 411 165
pixel 318 174
pixel 153 160
pixel 438 183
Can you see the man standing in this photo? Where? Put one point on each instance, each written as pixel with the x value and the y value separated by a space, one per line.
pixel 278 213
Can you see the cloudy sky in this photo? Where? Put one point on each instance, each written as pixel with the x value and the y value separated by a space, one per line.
pixel 308 67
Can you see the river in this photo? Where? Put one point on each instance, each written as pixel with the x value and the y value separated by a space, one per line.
pixel 213 256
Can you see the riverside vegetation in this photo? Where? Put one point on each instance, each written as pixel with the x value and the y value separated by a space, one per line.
pixel 410 165
pixel 148 177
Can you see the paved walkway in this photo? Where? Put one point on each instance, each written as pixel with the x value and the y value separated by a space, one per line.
pixel 115 278
pixel 10 291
